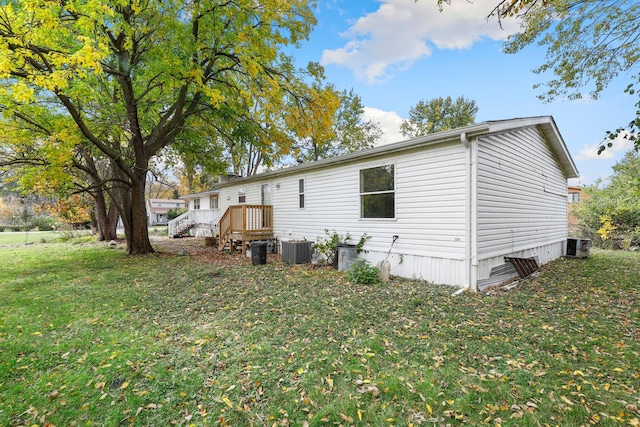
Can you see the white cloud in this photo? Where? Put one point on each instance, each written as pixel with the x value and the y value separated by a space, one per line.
pixel 620 144
pixel 403 31
pixel 389 122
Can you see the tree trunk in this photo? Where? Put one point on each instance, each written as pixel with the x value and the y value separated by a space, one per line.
pixel 107 221
pixel 130 200
pixel 139 243
pixel 111 226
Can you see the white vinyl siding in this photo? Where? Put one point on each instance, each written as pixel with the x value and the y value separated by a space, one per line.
pixel 430 210
pixel 229 195
pixel 429 186
pixel 301 193
pixel 521 194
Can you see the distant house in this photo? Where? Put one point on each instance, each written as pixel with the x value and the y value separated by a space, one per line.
pixel 157 209
pixel 456 203
pixel 573 193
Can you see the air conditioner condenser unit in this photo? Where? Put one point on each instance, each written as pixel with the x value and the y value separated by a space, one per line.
pixel 578 248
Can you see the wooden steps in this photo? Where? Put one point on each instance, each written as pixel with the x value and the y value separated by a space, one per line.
pixel 242 224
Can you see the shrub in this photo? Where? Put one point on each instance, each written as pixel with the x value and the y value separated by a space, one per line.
pixel 328 246
pixel 363 273
pixel 175 213
pixel 43 223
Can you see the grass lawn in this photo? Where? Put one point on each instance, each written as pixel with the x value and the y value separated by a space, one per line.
pixel 92 337
pixel 16 237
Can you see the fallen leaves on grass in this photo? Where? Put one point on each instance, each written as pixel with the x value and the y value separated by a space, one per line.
pixel 208 338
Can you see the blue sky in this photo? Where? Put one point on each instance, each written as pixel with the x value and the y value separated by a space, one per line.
pixel 394 53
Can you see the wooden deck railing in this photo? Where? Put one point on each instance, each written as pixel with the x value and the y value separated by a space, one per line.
pixel 245 223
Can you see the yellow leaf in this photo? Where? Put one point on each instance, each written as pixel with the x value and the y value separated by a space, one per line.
pixel 429 408
pixel 566 400
pixel 330 382
pixel 578 372
pixel 606 386
pixel 618 370
pixel 359 415
pixel 124 385
pixel 227 402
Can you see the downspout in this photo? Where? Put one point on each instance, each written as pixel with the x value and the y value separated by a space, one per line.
pixel 464 140
pixel 471 261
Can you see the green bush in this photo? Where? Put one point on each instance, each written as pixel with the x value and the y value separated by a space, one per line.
pixel 609 215
pixel 175 213
pixel 43 223
pixel 328 246
pixel 363 273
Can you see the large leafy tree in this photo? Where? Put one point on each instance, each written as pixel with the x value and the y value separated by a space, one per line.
pixel 610 215
pixel 335 125
pixel 313 126
pixel 49 157
pixel 589 43
pixel 354 132
pixel 131 75
pixel 437 115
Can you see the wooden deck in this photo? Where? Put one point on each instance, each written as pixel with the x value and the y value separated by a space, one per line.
pixel 241 224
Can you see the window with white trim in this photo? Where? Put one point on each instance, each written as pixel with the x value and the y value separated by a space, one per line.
pixel 301 193
pixel 242 195
pixel 377 192
pixel 196 204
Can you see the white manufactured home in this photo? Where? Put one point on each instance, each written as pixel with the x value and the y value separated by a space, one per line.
pixel 459 201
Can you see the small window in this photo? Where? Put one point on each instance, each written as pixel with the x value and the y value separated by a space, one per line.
pixel 196 204
pixel 242 195
pixel 301 193
pixel 377 192
pixel 574 197
pixel 213 202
